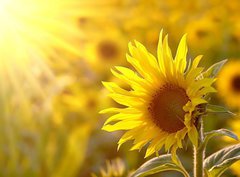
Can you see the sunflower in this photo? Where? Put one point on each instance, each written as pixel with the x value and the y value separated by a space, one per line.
pixel 228 83
pixel 164 103
pixel 105 51
pixel 77 104
pixel 204 31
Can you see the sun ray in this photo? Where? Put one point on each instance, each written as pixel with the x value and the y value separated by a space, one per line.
pixel 34 36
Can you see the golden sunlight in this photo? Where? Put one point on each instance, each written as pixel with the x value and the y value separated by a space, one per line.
pixel 34 35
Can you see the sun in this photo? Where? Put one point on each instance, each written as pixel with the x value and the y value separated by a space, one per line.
pixel 37 26
pixel 165 100
pixel 34 35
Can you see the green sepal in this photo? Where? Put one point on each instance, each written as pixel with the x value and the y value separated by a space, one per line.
pixel 217 109
pixel 213 70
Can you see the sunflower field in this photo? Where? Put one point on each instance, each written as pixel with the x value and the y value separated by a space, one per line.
pixel 119 88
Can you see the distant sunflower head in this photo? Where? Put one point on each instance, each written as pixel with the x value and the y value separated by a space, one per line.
pixel 203 31
pixel 105 51
pixel 228 83
pixel 165 100
pixel 114 168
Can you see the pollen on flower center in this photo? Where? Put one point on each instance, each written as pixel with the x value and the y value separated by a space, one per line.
pixel 236 83
pixel 166 108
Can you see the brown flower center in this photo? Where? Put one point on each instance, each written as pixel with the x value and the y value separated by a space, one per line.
pixel 107 50
pixel 166 108
pixel 236 84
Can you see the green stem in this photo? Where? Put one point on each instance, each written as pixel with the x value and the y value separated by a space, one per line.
pixel 185 173
pixel 199 153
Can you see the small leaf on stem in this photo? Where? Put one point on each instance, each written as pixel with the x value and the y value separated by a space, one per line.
pixel 223 132
pixel 217 109
pixel 221 160
pixel 159 164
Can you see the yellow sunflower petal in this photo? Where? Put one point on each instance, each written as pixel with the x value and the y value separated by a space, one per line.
pixel 126 100
pixel 132 79
pixel 170 141
pixel 181 54
pixel 123 125
pixel 168 59
pixel 193 136
pixel 196 61
pixel 135 63
pixel 121 116
pixel 160 53
pixel 191 76
pixel 197 85
pixel 151 148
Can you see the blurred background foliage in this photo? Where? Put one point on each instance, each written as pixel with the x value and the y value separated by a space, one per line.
pixel 54 55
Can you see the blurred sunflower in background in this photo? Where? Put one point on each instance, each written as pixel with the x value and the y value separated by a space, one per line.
pixel 204 30
pixel 166 98
pixel 106 50
pixel 228 83
pixel 114 168
pixel 77 104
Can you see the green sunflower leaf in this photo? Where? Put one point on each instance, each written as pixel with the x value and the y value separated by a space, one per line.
pixel 221 160
pixel 217 109
pixel 213 70
pixel 159 164
pixel 223 132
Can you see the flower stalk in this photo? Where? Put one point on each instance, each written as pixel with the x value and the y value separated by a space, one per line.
pixel 199 152
pixel 185 173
